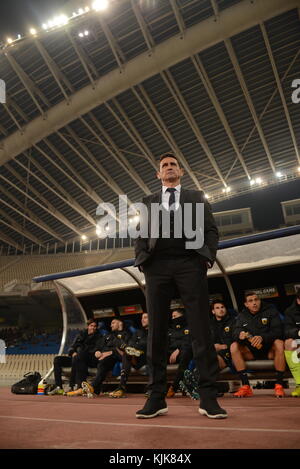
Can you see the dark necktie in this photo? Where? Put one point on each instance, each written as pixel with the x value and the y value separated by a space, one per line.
pixel 172 196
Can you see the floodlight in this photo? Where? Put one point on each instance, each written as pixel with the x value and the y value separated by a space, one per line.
pixel 99 5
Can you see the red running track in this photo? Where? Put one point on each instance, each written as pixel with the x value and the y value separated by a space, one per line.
pixel 59 422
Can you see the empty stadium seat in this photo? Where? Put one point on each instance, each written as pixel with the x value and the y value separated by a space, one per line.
pixel 17 365
pixel 18 268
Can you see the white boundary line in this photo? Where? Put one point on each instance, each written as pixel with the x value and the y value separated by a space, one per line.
pixel 117 403
pixel 177 427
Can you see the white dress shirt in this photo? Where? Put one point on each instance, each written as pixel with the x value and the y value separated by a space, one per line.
pixel 166 195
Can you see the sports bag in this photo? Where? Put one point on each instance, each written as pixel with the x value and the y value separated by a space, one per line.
pixel 27 385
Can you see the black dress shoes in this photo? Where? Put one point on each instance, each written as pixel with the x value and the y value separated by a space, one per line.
pixel 152 408
pixel 211 409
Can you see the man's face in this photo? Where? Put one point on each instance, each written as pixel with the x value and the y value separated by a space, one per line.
pixel 169 171
pixel 253 303
pixel 176 314
pixel 92 328
pixel 116 325
pixel 144 320
pixel 219 310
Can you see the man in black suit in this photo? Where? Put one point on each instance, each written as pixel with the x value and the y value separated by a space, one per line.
pixel 170 260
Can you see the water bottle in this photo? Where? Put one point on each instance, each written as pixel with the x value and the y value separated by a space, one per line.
pixel 249 336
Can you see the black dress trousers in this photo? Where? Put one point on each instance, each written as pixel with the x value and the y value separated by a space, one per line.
pixel 188 274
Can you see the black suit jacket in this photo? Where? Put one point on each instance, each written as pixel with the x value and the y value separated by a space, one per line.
pixel 145 247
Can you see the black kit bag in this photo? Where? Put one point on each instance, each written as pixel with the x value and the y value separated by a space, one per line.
pixel 27 385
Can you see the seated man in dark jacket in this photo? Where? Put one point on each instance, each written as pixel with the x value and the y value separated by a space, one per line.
pixel 292 340
pixel 258 335
pixel 180 348
pixel 222 325
pixel 135 356
pixel 81 356
pixel 108 352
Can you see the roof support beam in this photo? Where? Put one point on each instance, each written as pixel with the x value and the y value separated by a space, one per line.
pixel 271 99
pixel 160 125
pixel 178 17
pixel 248 99
pixel 11 115
pixel 132 132
pixel 82 57
pixel 118 54
pixel 28 84
pixel 232 20
pixel 105 175
pixel 94 165
pixel 55 71
pixel 26 213
pixel 57 190
pixel 142 24
pixel 115 153
pixel 13 105
pixel 174 90
pixel 44 204
pixel 12 224
pixel 280 90
pixel 215 8
pixel 71 174
pixel 11 242
pixel 213 97
pixel 3 131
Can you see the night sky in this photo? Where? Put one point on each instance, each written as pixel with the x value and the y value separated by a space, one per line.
pixel 17 16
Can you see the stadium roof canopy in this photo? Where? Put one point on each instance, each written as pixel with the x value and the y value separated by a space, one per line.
pixel 91 104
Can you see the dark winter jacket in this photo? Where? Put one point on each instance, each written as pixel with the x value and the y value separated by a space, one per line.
pixel 85 342
pixel 222 331
pixel 139 339
pixel 265 323
pixel 112 341
pixel 292 321
pixel 177 334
